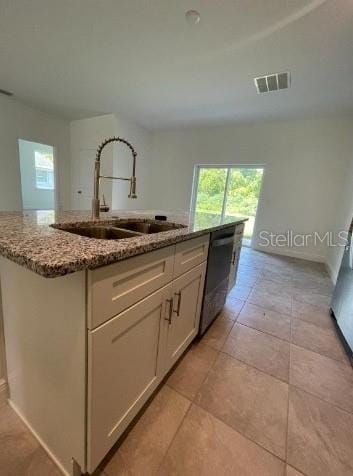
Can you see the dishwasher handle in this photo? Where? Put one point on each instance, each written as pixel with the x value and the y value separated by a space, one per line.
pixel 222 242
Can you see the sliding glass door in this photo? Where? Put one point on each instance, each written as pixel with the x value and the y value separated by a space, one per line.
pixel 224 192
pixel 210 192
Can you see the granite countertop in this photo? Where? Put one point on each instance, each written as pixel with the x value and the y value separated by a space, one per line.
pixel 28 239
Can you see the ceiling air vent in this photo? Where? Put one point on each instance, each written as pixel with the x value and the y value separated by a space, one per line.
pixel 272 82
pixel 6 93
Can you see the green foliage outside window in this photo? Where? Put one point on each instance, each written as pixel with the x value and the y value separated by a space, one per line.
pixel 243 193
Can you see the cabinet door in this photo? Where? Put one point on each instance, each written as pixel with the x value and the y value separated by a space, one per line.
pixel 123 371
pixel 183 326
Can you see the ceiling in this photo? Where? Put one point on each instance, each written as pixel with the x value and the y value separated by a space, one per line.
pixel 140 58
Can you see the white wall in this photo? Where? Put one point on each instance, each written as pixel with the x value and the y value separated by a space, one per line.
pixel 18 121
pixel 86 135
pixel 142 142
pixel 304 170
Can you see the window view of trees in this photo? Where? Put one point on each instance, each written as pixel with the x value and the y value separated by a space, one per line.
pixel 237 197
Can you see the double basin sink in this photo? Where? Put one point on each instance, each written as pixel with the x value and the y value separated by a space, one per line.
pixel 119 229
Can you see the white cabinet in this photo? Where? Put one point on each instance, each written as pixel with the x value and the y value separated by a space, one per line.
pixel 123 371
pixel 184 306
pixel 142 315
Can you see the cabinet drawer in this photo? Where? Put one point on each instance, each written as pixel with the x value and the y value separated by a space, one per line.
pixel 114 288
pixel 123 371
pixel 190 253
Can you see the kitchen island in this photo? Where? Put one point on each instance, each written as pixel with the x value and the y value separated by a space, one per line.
pixel 87 349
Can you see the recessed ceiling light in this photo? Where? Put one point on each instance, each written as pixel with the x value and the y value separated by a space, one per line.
pixel 192 17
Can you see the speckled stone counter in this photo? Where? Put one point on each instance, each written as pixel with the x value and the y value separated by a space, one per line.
pixel 29 239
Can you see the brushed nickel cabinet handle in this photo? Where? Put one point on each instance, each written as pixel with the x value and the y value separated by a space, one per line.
pixel 177 311
pixel 170 311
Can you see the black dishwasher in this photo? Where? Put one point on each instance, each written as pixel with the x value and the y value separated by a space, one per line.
pixel 217 275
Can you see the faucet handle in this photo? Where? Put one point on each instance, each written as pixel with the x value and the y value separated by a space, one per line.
pixel 104 207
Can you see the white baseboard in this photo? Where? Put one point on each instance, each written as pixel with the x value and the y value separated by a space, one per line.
pixel 3 392
pixel 38 438
pixel 292 253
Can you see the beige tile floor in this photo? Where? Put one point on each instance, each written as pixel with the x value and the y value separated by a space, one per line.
pixel 268 391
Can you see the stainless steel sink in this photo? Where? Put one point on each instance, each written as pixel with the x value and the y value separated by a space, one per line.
pixel 100 232
pixel 148 227
pixel 119 230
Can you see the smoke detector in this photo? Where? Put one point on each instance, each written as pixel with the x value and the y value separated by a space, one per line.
pixel 193 17
pixel 272 82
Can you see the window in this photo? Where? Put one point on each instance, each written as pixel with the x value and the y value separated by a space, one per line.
pixel 44 168
pixel 224 192
pixel 37 166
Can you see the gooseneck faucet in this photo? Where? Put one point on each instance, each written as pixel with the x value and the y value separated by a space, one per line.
pixel 98 176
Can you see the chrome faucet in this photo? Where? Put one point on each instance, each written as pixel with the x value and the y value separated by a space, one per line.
pixel 97 176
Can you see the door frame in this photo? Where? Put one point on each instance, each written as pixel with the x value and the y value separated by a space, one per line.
pixel 196 175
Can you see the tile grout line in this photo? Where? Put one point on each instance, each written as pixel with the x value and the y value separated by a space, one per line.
pixel 287 342
pixel 218 351
pixel 346 364
pixel 234 321
pixel 239 432
pixel 292 317
pixel 177 391
pixel 291 386
pixel 253 367
pixel 193 402
pixel 321 399
pixel 298 470
pixel 290 346
pixel 312 323
pixel 208 372
pixel 270 310
pixel 203 380
pixel 290 342
pixel 260 330
pixel 174 436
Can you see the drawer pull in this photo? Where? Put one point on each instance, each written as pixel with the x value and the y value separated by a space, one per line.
pixel 170 311
pixel 177 311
